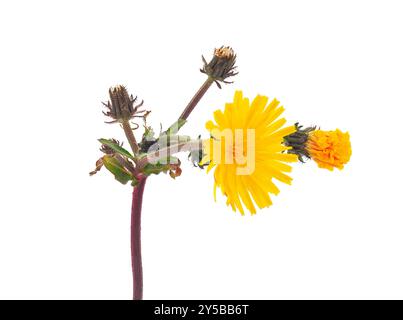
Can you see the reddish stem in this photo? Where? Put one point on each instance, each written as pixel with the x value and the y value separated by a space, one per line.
pixel 137 266
pixel 197 97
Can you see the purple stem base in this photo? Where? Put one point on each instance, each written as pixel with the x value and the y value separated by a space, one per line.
pixel 137 266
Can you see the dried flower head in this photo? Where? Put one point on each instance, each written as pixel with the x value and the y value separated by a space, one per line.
pixel 222 66
pixel 224 52
pixel 121 106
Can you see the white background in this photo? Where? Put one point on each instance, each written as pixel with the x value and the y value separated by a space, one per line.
pixel 64 235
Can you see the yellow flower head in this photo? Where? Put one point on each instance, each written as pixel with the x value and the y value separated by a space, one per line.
pixel 247 150
pixel 329 149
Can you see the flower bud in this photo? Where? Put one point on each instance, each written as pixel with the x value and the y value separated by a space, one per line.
pixel 121 105
pixel 222 66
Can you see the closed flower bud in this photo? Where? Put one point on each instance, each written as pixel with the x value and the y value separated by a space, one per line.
pixel 222 66
pixel 121 106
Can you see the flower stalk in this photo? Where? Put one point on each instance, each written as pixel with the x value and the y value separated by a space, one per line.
pixel 196 98
pixel 130 136
pixel 221 67
pixel 137 266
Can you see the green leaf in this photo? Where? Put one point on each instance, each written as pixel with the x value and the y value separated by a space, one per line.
pixel 114 166
pixel 116 148
pixel 174 128
pixel 157 168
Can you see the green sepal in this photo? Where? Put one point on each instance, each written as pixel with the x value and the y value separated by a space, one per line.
pixel 116 148
pixel 114 166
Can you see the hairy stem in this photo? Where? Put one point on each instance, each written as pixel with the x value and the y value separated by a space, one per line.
pixel 196 98
pixel 130 136
pixel 137 266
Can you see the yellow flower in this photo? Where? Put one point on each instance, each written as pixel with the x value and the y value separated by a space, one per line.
pixel 329 149
pixel 247 150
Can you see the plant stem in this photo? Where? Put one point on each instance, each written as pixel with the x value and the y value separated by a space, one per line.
pixel 138 190
pixel 137 266
pixel 130 136
pixel 196 98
